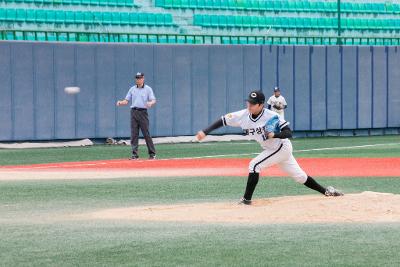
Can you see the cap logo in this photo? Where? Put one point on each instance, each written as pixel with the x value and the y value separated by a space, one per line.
pixel 253 95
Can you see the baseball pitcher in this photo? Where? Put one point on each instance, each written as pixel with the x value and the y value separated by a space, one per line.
pixel 271 131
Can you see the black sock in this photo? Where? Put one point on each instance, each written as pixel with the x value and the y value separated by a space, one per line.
pixel 251 185
pixel 311 183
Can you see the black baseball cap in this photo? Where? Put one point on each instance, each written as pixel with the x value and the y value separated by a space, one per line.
pixel 256 97
pixel 276 89
pixel 139 75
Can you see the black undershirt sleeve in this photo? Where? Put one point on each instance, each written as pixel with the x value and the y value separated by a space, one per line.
pixel 285 133
pixel 217 124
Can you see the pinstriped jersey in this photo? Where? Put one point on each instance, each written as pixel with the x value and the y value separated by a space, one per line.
pixel 254 128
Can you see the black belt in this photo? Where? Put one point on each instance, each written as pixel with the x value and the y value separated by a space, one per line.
pixel 140 109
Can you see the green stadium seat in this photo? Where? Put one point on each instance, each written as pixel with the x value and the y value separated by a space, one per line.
pixel 320 7
pixel 171 39
pixel 206 21
pixel 181 40
pixel 11 14
pixel 124 19
pixel 222 21
pixel 62 36
pixel 185 4
pixel 79 17
pixel 103 2
pixel 50 16
pixel 121 3
pixel 51 36
pixel 254 22
pixel 69 17
pixel 97 17
pixel 88 18
pixel 225 40
pixel 159 19
pixel 396 8
pixel 330 6
pixel 152 38
pixel 230 21
pixel 106 18
pixel 41 36
pixel 123 38
pixel 59 16
pixel 30 15
pixel 21 15
pixel 142 19
pixel 378 7
pixel 93 37
pixel 10 36
pixel 246 21
pixel 112 2
pixel 168 19
pixel 190 39
pixel 238 21
pixel 133 38
pixel 19 35
pixel 83 37
pixel 234 40
pixel 307 6
pixel 198 20
pixel 193 4
pixel 86 2
pixel 299 23
pixel 251 40
pixel 222 4
pixel 168 3
pixel 357 24
pixel 133 19
pixel 162 39
pixel 285 23
pixel 30 36
pixel 3 14
pixel 115 18
pixel 40 16
pixel 214 21
pixel 151 19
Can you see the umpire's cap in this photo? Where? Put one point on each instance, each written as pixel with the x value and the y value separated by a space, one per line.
pixel 256 97
pixel 276 89
pixel 139 75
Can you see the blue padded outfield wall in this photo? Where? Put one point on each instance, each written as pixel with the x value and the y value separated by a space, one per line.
pixel 327 88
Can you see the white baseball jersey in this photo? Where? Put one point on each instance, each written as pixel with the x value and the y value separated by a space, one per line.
pixel 276 151
pixel 280 100
pixel 254 128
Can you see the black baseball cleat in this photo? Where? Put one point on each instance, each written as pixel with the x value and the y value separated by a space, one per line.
pixel 332 192
pixel 134 158
pixel 152 157
pixel 244 201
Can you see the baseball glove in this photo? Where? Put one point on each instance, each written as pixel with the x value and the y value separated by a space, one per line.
pixel 272 125
pixel 277 106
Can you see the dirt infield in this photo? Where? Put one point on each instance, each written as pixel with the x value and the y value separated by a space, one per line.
pixel 106 169
pixel 366 207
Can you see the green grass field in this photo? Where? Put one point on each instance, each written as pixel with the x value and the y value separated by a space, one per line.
pixel 33 231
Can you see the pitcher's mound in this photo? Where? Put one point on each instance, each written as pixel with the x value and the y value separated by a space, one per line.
pixel 364 207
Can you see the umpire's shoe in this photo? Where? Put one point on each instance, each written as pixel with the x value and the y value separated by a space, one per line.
pixel 332 192
pixel 244 201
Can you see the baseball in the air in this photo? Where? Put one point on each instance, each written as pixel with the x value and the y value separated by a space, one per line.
pixel 72 90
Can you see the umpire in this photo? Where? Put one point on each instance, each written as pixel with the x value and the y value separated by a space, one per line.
pixel 141 97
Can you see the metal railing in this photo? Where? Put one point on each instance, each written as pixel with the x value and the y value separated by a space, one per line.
pixel 64 36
